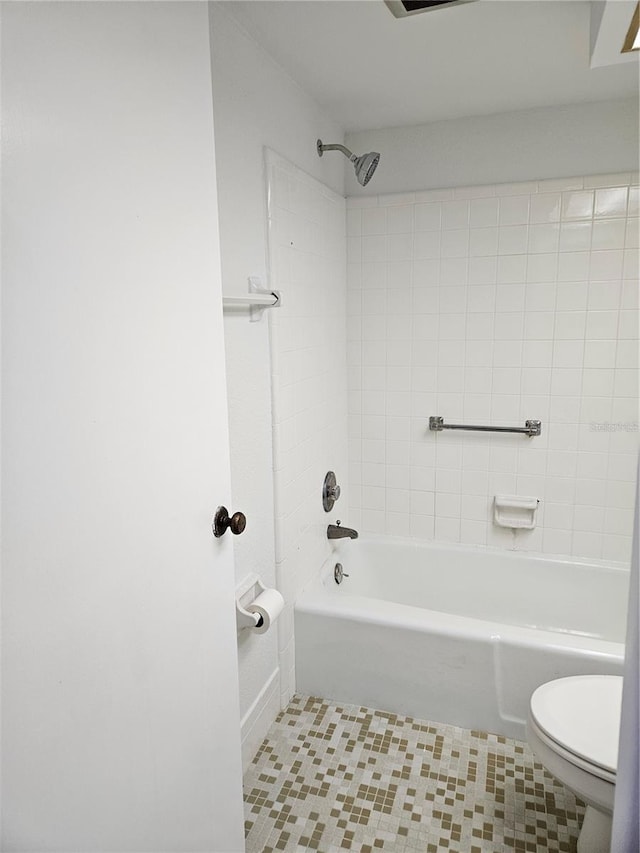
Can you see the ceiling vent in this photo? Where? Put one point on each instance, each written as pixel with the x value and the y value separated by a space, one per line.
pixel 404 8
pixel 632 40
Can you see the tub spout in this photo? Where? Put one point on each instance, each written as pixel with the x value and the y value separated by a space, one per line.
pixel 335 531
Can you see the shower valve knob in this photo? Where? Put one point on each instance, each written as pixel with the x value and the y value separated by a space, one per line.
pixel 330 491
pixel 221 521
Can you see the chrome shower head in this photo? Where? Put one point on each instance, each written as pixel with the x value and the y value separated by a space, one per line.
pixel 365 165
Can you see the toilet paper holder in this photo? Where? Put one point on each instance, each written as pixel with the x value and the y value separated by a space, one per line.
pixel 257 606
pixel 244 618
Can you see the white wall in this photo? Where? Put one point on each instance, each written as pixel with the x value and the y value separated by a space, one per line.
pixel 496 304
pixel 255 105
pixel 307 249
pixel 551 142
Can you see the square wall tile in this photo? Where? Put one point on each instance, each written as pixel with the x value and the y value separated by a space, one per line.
pixel 577 205
pixel 611 202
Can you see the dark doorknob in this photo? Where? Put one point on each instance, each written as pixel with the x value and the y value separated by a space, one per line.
pixel 221 521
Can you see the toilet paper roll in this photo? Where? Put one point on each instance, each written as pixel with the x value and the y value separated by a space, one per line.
pixel 269 605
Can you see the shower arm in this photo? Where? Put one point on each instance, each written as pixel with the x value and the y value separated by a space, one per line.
pixel 364 165
pixel 322 148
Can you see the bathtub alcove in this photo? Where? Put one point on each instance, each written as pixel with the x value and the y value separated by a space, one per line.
pixel 455 634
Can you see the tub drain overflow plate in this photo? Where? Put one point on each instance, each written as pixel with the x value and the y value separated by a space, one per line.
pixel 339 573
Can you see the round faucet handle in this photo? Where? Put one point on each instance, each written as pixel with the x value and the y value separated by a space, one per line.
pixel 330 491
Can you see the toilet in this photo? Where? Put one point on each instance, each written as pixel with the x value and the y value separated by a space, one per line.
pixel 573 731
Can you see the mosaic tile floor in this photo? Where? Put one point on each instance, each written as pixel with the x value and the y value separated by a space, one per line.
pixel 334 777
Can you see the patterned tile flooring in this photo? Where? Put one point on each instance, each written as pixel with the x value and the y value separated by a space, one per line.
pixel 332 777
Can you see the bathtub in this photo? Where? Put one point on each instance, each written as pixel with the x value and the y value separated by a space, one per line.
pixel 455 634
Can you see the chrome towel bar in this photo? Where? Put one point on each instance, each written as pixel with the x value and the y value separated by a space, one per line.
pixel 530 428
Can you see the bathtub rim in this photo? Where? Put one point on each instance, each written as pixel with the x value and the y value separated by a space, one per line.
pixel 338 546
pixel 321 596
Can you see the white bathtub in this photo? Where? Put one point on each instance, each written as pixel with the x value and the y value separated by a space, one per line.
pixel 454 634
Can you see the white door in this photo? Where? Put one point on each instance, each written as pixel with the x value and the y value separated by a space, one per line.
pixel 120 709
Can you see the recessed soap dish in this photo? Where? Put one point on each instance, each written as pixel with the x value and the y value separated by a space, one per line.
pixel 515 511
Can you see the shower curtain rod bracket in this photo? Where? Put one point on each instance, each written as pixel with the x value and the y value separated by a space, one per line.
pixel 258 299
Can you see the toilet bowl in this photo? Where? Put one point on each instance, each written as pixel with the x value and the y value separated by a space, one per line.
pixel 573 730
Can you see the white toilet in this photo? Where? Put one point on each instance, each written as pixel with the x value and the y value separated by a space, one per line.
pixel 573 731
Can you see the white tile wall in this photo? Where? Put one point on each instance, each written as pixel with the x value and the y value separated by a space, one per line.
pixel 307 262
pixel 493 305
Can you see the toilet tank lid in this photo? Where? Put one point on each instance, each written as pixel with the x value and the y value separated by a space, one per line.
pixel 582 714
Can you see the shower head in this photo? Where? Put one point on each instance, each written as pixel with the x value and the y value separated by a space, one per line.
pixel 365 165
